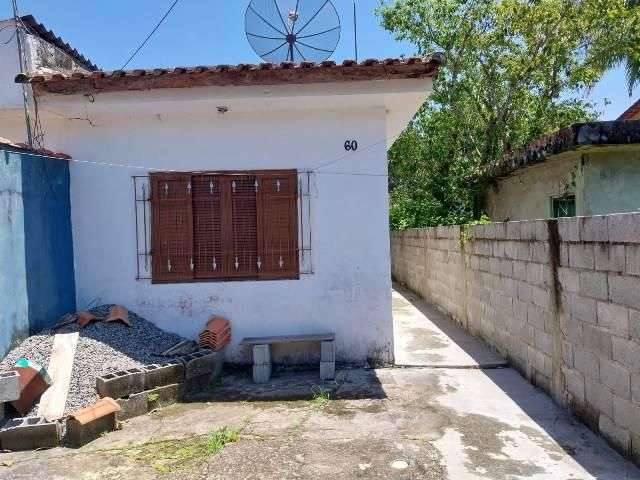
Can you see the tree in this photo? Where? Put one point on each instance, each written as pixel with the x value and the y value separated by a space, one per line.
pixel 514 70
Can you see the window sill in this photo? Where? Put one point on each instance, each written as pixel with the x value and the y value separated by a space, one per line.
pixel 226 280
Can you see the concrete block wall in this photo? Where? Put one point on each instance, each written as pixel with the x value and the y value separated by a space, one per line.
pixel 559 298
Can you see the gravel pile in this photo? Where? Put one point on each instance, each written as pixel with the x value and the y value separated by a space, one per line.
pixel 102 348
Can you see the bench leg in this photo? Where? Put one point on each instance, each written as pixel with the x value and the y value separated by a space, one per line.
pixel 327 360
pixel 261 363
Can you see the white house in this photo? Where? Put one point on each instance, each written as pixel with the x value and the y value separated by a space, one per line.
pixel 258 193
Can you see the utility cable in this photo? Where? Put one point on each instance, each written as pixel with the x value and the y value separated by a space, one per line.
pixel 164 17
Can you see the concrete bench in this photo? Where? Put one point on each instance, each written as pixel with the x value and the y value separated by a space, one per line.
pixel 262 353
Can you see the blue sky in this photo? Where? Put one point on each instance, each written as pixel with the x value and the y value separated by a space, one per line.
pixel 200 32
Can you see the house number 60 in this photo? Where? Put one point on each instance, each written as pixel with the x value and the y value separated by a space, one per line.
pixel 351 145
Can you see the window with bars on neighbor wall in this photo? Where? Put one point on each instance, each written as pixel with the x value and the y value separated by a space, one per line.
pixel 224 226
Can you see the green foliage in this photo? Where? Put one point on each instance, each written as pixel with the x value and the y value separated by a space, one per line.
pixel 515 70
pixel 320 398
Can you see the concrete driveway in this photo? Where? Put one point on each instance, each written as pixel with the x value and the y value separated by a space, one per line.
pixel 399 423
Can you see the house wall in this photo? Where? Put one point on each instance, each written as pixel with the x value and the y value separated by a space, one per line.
pixel 604 180
pixel 10 92
pixel 611 181
pixel 349 292
pixel 526 193
pixel 560 299
pixel 37 281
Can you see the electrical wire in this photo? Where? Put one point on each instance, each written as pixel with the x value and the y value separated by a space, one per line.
pixel 164 17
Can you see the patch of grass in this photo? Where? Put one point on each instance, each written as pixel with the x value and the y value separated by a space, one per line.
pixel 170 455
pixel 153 397
pixel 321 398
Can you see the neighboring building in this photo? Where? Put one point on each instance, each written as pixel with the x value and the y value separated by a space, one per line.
pixel 36 253
pixel 268 186
pixel 586 169
pixel 631 113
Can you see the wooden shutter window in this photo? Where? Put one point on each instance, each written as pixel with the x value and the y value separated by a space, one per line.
pixel 208 240
pixel 278 220
pixel 172 231
pixel 232 225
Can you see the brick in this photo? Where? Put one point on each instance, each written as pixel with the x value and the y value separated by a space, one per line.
pixel 624 228
pixel 615 435
pixel 587 363
pixel 632 259
pixel 575 384
pixel 30 433
pixel 568 230
pixel 262 373
pixel 88 424
pixel 120 384
pixel 9 386
pixel 581 256
pixel 594 284
pixel 614 318
pixel 593 229
pixel 327 370
pixel 327 351
pixel 627 414
pixel 583 309
pixel 627 353
pixel 599 396
pixel 609 257
pixel 624 290
pixel 261 354
pixel 616 377
pixel 160 375
pixel 569 279
pixel 597 341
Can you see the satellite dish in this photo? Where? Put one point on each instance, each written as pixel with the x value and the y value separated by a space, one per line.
pixel 292 30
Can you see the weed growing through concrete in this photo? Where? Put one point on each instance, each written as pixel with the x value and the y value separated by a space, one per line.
pixel 153 397
pixel 170 455
pixel 320 398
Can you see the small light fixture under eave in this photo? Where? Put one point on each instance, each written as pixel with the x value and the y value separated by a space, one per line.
pixel 222 109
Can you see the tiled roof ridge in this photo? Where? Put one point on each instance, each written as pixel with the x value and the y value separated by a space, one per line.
pixel 429 63
pixel 631 112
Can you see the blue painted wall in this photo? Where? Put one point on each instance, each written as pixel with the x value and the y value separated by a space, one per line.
pixel 35 244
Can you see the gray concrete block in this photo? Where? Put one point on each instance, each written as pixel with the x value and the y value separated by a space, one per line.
pixel 569 279
pixel 131 406
pixel 327 370
pixel 141 403
pixel 599 396
pixel 594 284
pixel 165 374
pixel 261 354
pixel 609 257
pixel 627 414
pixel 627 353
pixel 3 413
pixel 9 386
pixel 262 373
pixel 567 354
pixel 513 231
pixel 634 324
pixel 574 384
pixel 568 229
pixel 30 433
pixel 582 255
pixel 597 341
pixel 632 264
pixel 328 351
pixel 616 377
pixel 614 318
pixel 544 342
pixel 624 228
pixel 635 388
pixel 593 229
pixel 572 329
pixel 203 362
pixel 587 363
pixel 614 434
pixel 624 290
pixel 581 308
pixel 121 384
pixel 564 254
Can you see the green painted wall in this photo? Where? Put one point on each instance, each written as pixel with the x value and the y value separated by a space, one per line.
pixel 611 182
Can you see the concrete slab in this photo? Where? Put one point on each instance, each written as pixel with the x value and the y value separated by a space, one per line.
pixel 54 399
pixel 402 423
pixel 426 337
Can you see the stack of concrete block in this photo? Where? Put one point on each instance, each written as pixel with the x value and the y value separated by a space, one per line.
pixel 201 370
pixel 261 363
pixel 327 360
pixel 9 390
pixel 87 424
pixel 29 434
